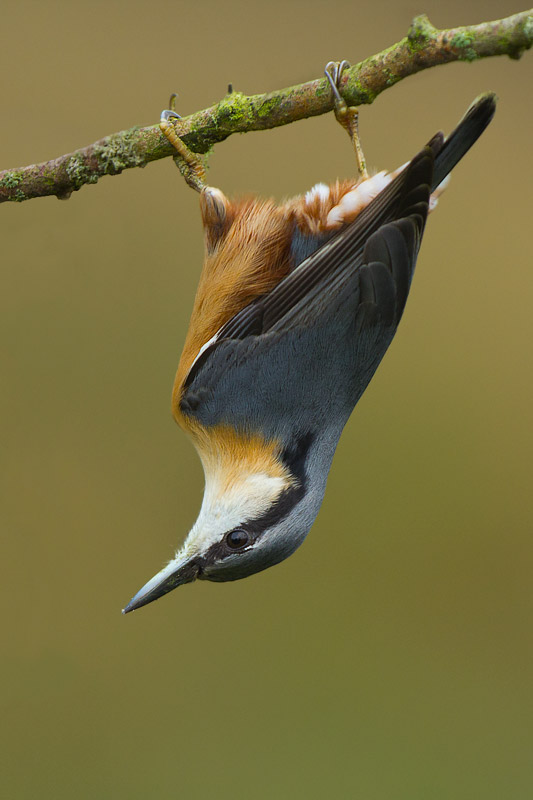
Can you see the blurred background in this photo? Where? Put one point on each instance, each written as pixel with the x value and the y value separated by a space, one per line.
pixel 390 657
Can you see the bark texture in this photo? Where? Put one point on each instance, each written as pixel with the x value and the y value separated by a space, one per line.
pixel 424 46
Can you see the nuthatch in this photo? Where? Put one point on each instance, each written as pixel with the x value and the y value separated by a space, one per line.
pixel 296 306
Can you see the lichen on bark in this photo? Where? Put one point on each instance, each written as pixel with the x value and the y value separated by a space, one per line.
pixel 424 46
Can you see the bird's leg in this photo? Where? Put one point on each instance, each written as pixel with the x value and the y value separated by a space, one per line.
pixel 213 203
pixel 188 163
pixel 347 116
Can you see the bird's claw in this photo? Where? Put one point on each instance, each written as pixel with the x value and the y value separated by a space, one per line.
pixel 347 116
pixel 333 72
pixel 188 163
pixel 169 114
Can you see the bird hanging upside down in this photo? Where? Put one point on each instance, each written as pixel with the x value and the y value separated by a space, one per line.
pixel 296 306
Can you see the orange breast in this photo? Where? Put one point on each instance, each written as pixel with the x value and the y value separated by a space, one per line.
pixel 248 261
pixel 248 253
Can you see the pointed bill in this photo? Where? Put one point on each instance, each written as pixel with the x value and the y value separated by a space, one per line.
pixel 179 571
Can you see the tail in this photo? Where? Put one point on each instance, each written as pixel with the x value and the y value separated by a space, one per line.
pixel 448 152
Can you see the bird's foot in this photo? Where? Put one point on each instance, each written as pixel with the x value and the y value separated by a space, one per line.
pixel 347 116
pixel 189 164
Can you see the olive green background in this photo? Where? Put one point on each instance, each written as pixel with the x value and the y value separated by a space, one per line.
pixel 390 657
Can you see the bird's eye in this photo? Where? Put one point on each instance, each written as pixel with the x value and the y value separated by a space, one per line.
pixel 237 539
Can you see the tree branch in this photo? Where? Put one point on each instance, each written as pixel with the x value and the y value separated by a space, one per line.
pixel 423 47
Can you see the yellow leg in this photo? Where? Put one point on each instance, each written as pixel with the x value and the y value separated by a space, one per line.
pixel 188 163
pixel 347 116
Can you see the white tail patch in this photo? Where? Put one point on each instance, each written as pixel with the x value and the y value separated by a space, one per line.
pixel 434 198
pixel 353 202
pixel 319 191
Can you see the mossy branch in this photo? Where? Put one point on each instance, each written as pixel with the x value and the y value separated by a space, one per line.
pixel 424 46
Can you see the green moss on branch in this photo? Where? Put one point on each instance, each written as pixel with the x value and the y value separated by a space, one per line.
pixel 424 46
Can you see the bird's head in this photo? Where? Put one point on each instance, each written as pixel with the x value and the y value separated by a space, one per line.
pixel 256 511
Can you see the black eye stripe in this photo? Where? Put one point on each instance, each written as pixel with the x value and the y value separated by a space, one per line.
pixel 242 539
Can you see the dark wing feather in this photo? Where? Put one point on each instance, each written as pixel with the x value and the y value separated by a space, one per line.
pixel 326 266
pixel 356 283
pixel 324 330
pixel 463 137
pixel 345 251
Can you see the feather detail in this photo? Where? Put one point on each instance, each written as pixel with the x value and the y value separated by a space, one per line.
pixel 230 455
pixel 352 202
pixel 246 256
pixel 311 210
pixel 248 252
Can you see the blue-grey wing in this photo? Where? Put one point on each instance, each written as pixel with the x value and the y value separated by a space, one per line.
pixel 308 349
pixel 304 353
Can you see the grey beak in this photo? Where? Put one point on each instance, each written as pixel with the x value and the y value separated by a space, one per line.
pixel 178 572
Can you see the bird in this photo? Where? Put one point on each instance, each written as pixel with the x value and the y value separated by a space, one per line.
pixel 296 306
